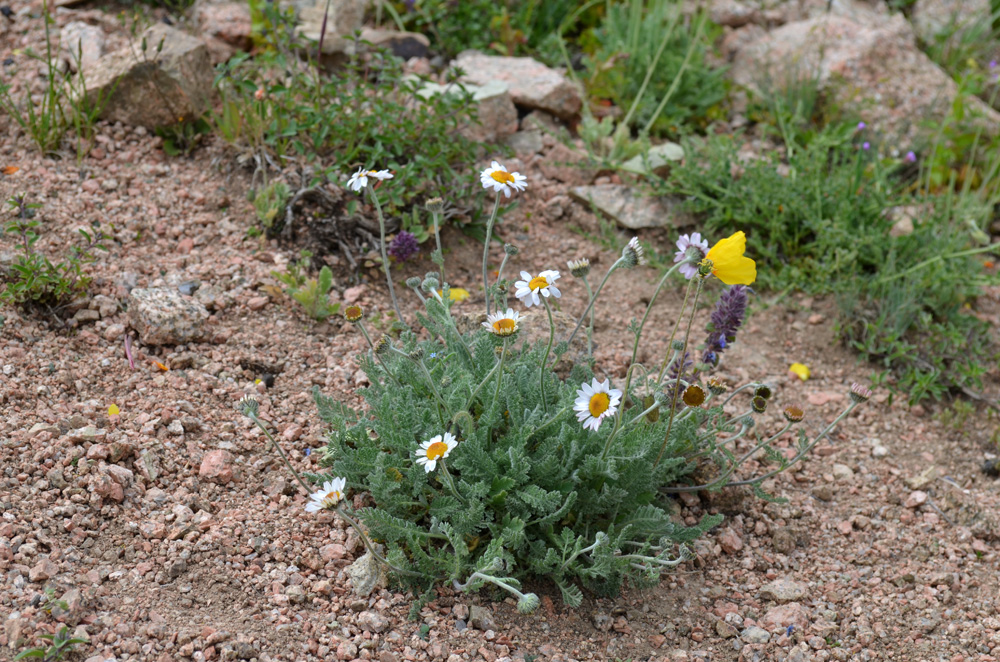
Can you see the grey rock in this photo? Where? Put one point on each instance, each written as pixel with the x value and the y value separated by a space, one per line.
pixel 531 83
pixel 784 590
pixel 755 635
pixel 162 316
pixel 842 472
pixel 366 574
pixel 403 45
pixel 934 18
pixel 82 44
pixel 725 630
pixel 228 22
pixel 494 108
pixel 342 19
pixel 56 478
pixel 372 621
pixel 481 618
pixel 658 160
pixel 629 208
pixel 153 89
pixel 602 621
pixel 525 143
pixel 177 568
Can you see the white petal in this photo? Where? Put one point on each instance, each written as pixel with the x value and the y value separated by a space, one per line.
pixel 555 291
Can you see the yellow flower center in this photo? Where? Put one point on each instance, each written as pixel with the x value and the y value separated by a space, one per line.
pixel 436 450
pixel 333 496
pixel 599 403
pixel 538 283
pixel 502 176
pixel 504 326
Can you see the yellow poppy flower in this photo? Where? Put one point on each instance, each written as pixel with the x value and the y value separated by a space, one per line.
pixel 456 294
pixel 728 262
pixel 113 410
pixel 800 370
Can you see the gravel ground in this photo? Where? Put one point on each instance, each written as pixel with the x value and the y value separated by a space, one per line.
pixel 173 533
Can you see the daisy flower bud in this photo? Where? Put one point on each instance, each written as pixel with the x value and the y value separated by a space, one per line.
pixel 716 386
pixel 430 285
pixel 632 254
pixel 417 354
pixel 527 603
pixel 435 205
pixel 382 345
pixel 758 404
pixel 860 393
pixel 413 282
pixel 579 268
pixel 511 250
pixel 763 391
pixel 248 406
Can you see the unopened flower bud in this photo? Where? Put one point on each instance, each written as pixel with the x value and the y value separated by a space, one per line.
pixel 860 393
pixel 430 285
pixel 413 282
pixel 716 386
pixel 632 254
pixel 677 345
pixel 248 406
pixel 417 354
pixel 528 603
pixel 579 268
pixel 435 205
pixel 511 250
pixel 383 345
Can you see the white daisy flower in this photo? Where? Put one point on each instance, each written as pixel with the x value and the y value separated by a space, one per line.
pixel 528 288
pixel 359 180
pixel 595 401
pixel 633 253
pixel 497 178
pixel 691 249
pixel 328 497
pixel 502 324
pixel 434 449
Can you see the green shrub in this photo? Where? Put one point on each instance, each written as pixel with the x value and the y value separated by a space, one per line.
pixel 822 215
pixel 312 293
pixel 490 461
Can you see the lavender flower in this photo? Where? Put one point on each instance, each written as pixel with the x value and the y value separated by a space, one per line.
pixel 862 126
pixel 910 157
pixel 727 317
pixel 866 145
pixel 691 249
pixel 404 246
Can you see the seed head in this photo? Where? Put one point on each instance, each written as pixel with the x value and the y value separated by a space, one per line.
pixel 383 345
pixel 860 393
pixel 693 396
pixel 579 268
pixel 435 205
pixel 794 414
pixel 716 386
pixel 758 404
pixel 248 406
pixel 354 314
pixel 417 354
pixel 763 391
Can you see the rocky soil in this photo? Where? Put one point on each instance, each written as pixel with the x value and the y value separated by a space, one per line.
pixel 170 531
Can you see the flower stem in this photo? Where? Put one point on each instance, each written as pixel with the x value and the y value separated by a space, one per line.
pixel 486 251
pixel 378 358
pixel 450 481
pixel 370 547
pixel 675 395
pixel 503 355
pixel 496 366
pixel 590 324
pixel 437 240
pixel 548 348
pixel 260 424
pixel 667 357
pixel 385 257
pixel 590 305
pixel 642 324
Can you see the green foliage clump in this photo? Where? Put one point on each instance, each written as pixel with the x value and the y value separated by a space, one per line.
pixel 312 293
pixel 525 490
pixel 61 645
pixel 36 281
pixel 269 203
pixel 279 108
pixel 653 63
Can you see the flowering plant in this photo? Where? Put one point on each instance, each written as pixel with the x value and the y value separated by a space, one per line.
pixel 484 466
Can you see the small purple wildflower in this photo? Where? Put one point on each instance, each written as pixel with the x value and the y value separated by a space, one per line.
pixel 866 145
pixel 910 157
pixel 862 126
pixel 404 246
pixel 309 452
pixel 993 64
pixel 727 317
pixel 691 249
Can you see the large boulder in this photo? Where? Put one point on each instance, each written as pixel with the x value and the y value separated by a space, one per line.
pixel 630 208
pixel 531 83
pixel 869 61
pixel 169 82
pixel 494 108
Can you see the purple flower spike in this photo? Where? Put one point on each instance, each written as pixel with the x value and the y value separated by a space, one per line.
pixel 730 310
pixel 404 246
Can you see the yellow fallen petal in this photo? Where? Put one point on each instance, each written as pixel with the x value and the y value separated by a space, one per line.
pixel 457 293
pixel 800 370
pixel 113 410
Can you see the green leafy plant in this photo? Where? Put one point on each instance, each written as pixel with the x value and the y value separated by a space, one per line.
pixel 277 109
pixel 36 281
pixel 312 293
pixel 61 645
pixel 182 138
pixel 651 61
pixel 489 461
pixel 269 203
